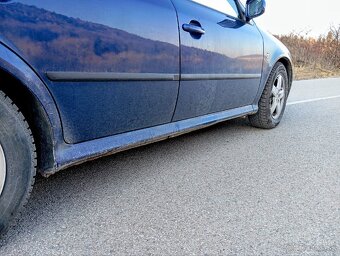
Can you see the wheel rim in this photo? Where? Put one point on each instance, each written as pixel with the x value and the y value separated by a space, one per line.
pixel 2 169
pixel 277 98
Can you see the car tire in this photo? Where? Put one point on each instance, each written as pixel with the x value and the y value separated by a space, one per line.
pixel 17 162
pixel 273 100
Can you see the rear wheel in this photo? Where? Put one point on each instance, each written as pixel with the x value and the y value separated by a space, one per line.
pixel 17 162
pixel 273 100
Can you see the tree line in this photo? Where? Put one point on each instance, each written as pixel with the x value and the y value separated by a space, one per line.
pixel 320 56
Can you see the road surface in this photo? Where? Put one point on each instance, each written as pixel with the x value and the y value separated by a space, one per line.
pixel 227 190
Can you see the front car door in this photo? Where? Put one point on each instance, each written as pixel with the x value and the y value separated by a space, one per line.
pixel 220 69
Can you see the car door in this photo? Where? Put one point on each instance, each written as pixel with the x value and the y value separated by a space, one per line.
pixel 221 58
pixel 111 66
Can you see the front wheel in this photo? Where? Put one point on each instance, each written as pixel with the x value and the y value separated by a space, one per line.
pixel 273 100
pixel 17 162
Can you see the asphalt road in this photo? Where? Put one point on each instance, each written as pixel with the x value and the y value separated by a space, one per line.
pixel 230 190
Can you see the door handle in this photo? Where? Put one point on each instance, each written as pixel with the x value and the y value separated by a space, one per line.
pixel 194 28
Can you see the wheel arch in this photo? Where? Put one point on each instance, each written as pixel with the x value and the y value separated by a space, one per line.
pixel 268 66
pixel 289 67
pixel 25 88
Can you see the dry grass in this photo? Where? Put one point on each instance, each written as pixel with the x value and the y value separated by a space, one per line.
pixel 305 72
pixel 315 57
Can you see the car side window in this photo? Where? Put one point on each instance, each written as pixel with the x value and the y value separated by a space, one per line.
pixel 225 6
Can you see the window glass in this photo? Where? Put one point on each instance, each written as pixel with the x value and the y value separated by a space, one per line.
pixel 226 6
pixel 243 2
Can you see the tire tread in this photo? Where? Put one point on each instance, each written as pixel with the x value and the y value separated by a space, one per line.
pixel 33 152
pixel 261 119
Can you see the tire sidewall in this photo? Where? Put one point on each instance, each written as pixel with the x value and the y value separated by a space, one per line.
pixel 279 69
pixel 17 145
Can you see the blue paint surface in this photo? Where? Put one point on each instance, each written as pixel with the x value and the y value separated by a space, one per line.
pixel 132 37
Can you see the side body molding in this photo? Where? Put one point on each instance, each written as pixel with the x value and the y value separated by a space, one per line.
pixel 14 65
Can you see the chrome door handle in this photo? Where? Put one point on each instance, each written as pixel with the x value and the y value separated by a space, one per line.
pixel 193 29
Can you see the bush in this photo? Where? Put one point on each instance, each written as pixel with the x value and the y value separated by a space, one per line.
pixel 314 57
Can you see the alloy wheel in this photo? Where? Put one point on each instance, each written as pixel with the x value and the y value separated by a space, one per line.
pixel 277 98
pixel 2 169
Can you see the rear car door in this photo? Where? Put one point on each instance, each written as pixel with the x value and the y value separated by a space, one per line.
pixel 220 69
pixel 111 66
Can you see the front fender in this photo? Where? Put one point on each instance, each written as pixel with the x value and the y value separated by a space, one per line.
pixel 274 51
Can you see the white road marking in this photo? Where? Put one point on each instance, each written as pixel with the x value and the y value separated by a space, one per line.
pixel 312 100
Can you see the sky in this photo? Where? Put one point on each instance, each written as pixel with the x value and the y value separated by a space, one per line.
pixel 285 16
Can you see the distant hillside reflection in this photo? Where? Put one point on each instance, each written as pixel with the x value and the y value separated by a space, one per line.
pixel 53 42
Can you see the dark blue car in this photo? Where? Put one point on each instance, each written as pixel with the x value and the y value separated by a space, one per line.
pixel 82 79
